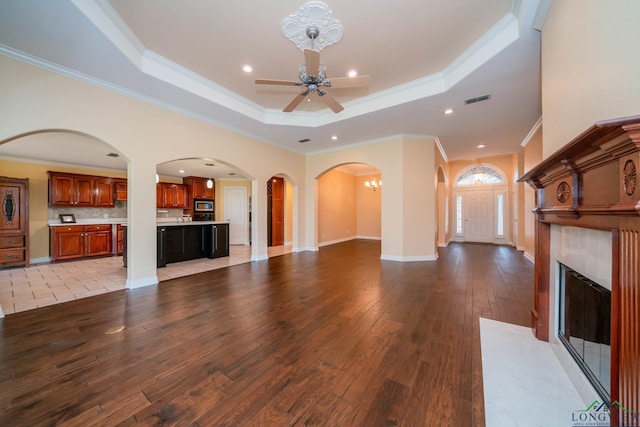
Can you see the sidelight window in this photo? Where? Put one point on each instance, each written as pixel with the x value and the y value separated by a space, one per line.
pixel 459 214
pixel 500 214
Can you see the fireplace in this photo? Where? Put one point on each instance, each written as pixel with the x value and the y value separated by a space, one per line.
pixel 590 185
pixel 584 327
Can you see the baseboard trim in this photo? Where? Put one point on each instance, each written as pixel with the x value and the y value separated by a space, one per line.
pixel 140 283
pixel 259 257
pixel 1 312
pixel 520 248
pixel 409 258
pixel 444 245
pixel 530 257
pixel 41 260
pixel 333 242
pixel 369 237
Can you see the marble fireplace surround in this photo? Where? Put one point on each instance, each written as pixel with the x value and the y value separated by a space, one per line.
pixel 586 188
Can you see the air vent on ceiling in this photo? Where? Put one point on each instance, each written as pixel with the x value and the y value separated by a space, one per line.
pixel 477 99
pixel 304 140
pixel 113 155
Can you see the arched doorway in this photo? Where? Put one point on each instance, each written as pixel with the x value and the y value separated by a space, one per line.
pixel 349 203
pixel 480 204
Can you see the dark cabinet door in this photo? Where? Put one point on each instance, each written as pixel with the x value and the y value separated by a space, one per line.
pixel 174 240
pixel 104 192
pixel 161 260
pixel 61 191
pixel 67 242
pixel 217 241
pixel 193 242
pixel 98 243
pixel 84 189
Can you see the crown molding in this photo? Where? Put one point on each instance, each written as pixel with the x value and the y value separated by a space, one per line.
pixel 532 132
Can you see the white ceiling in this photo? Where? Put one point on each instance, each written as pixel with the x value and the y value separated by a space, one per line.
pixel 423 56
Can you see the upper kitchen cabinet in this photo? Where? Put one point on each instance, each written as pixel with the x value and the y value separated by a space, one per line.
pixel 121 189
pixel 104 192
pixel 75 190
pixel 71 190
pixel 171 195
pixel 197 188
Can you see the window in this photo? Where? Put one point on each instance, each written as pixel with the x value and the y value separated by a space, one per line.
pixel 458 214
pixel 500 214
pixel 480 174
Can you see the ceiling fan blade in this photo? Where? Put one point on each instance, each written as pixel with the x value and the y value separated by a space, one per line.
pixel 296 101
pixel 277 82
pixel 343 82
pixel 312 62
pixel 333 103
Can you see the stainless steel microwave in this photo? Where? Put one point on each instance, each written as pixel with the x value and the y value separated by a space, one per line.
pixel 203 205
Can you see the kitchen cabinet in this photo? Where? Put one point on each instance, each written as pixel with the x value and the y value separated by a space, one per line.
pixel 119 239
pixel 75 190
pixel 103 188
pixel 216 240
pixel 171 195
pixel 71 190
pixel 197 189
pixel 14 222
pixel 121 189
pixel 184 243
pixel 79 241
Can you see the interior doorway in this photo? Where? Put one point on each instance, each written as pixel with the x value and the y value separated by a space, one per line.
pixel 275 211
pixel 235 212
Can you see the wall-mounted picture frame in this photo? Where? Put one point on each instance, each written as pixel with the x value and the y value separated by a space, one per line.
pixel 67 218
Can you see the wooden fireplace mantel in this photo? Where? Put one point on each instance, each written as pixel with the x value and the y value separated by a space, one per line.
pixel 592 182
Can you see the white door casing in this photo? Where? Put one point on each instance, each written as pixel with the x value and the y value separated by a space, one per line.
pixel 235 212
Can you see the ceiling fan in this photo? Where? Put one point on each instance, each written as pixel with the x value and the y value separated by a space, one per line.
pixel 312 77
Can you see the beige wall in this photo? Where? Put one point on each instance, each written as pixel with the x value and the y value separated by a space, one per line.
pixel 368 208
pixel 532 156
pixel 337 219
pixel 590 66
pixel 38 198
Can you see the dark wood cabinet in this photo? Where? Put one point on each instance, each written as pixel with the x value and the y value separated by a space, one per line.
pixel 75 190
pixel 197 188
pixel 121 189
pixel 79 241
pixel 171 195
pixel 120 239
pixel 216 240
pixel 104 192
pixel 14 222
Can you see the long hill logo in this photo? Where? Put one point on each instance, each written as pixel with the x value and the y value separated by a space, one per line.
pixel 599 414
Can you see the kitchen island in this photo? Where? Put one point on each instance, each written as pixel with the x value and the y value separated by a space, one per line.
pixel 183 241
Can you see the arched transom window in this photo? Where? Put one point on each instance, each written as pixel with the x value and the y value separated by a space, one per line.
pixel 479 174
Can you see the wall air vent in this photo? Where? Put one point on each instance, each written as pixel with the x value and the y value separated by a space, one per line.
pixel 302 141
pixel 477 99
pixel 113 155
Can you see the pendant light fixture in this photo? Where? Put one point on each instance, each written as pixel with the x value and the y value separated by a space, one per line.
pixel 209 181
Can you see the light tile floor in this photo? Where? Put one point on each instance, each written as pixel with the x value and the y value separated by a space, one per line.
pixel 24 289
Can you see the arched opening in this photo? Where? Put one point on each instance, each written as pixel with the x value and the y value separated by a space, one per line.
pixel 202 202
pixel 349 203
pixel 76 177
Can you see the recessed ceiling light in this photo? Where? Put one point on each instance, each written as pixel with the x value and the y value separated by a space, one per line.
pixel 352 73
pixel 480 146
pixel 334 137
pixel 448 111
pixel 180 171
pixel 247 68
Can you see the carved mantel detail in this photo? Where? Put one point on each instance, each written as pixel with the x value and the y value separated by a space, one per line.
pixel 591 183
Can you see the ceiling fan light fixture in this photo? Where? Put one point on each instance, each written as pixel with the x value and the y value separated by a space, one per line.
pixel 352 73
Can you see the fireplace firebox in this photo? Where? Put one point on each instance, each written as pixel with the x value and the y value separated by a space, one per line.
pixel 585 326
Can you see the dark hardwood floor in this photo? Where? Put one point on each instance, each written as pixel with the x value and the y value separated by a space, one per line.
pixel 332 338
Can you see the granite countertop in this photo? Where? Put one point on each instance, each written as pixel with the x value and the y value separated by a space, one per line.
pixel 167 222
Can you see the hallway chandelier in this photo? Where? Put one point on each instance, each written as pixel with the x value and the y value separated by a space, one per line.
pixel 372 184
pixel 479 171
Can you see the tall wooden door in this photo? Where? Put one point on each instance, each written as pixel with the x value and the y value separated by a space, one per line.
pixel 275 203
